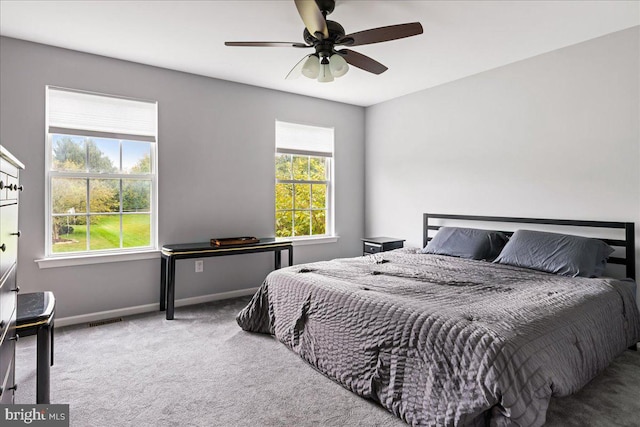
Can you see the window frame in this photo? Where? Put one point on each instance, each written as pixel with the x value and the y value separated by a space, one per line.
pixel 329 235
pixel 50 174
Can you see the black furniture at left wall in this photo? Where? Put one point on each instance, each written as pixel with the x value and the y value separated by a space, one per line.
pixel 10 189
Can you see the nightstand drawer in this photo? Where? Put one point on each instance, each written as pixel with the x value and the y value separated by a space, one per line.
pixel 372 248
pixel 374 245
pixel 393 245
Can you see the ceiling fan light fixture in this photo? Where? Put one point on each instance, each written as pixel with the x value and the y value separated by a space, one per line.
pixel 338 65
pixel 325 35
pixel 311 67
pixel 325 75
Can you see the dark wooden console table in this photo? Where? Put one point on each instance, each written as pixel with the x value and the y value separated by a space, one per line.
pixel 171 253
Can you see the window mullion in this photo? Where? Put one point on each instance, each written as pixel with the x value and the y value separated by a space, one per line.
pixel 299 181
pixel 96 175
pixel 88 217
pixel 120 192
pixel 121 210
pixel 293 211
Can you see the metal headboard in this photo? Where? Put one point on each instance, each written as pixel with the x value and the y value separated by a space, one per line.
pixel 628 260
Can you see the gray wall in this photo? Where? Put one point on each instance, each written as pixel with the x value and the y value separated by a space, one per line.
pixel 555 136
pixel 552 136
pixel 216 173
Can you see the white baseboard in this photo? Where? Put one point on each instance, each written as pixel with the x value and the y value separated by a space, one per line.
pixel 147 308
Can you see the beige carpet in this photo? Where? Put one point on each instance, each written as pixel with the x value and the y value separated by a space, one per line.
pixel 202 370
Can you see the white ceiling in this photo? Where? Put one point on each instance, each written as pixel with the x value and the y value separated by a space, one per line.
pixel 460 38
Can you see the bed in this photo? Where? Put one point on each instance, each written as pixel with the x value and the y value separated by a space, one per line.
pixel 443 340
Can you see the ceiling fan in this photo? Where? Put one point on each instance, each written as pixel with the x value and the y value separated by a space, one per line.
pixel 324 35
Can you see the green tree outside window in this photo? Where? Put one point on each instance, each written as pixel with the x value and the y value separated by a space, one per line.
pixel 301 195
pixel 81 204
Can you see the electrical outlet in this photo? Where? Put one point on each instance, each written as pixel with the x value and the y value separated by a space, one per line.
pixel 199 266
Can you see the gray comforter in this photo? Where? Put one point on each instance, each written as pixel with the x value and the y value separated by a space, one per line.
pixel 446 341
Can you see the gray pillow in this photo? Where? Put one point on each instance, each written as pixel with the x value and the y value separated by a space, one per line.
pixel 556 253
pixel 469 243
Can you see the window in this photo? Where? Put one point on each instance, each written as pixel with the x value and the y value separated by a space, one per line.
pixel 304 184
pixel 101 173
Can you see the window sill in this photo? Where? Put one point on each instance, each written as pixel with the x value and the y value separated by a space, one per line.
pixel 68 261
pixel 301 241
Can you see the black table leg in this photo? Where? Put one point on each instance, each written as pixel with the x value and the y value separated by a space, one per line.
pixel 43 364
pixel 51 333
pixel 169 257
pixel 171 287
pixel 163 283
pixel 278 257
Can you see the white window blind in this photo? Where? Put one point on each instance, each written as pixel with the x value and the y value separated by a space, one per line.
pixel 293 138
pixel 73 112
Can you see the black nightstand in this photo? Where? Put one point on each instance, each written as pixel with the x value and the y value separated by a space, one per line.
pixel 373 245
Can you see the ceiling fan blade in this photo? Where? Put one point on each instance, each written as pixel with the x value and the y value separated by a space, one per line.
pixel 362 61
pixel 266 44
pixel 296 71
pixel 312 18
pixel 383 34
